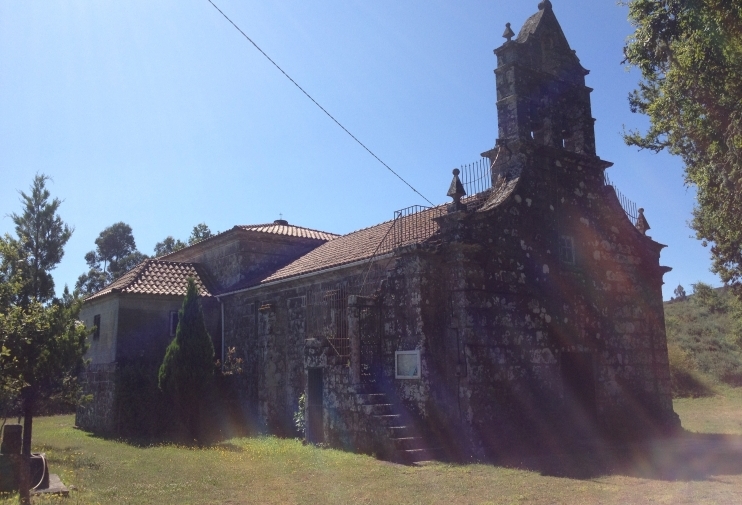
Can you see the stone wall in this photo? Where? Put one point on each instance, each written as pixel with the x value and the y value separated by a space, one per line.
pixel 506 318
pixel 100 382
pixel 268 328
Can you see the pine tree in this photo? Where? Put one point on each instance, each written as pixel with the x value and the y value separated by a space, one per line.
pixel 42 236
pixel 187 372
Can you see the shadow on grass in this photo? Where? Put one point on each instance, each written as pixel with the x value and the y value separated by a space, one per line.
pixel 212 441
pixel 73 456
pixel 686 456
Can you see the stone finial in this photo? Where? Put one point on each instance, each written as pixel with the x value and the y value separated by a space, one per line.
pixel 509 33
pixel 545 5
pixel 456 191
pixel 641 223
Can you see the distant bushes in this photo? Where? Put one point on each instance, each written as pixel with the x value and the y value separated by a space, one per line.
pixel 704 334
pixel 687 382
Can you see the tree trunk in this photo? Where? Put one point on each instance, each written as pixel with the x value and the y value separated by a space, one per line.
pixel 25 477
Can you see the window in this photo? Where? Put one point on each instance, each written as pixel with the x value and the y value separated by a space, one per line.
pixel 96 323
pixel 173 322
pixel 567 249
pixel 407 364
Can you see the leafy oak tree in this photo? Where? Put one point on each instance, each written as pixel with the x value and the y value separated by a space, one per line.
pixel 187 372
pixel 689 53
pixel 200 232
pixel 169 245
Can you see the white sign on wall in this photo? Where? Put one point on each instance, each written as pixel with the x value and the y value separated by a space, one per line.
pixel 407 364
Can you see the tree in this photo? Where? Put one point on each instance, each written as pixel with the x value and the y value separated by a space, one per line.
pixel 689 53
pixel 187 372
pixel 115 254
pixel 680 293
pixel 43 349
pixel 707 297
pixel 41 342
pixel 200 232
pixel 41 239
pixel 168 246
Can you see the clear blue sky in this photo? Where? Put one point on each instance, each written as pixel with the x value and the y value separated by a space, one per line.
pixel 161 115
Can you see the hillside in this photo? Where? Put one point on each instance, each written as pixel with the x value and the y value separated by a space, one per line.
pixel 704 339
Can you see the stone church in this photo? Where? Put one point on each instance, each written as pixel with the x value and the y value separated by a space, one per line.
pixel 525 315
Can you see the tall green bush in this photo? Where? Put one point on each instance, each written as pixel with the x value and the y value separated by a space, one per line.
pixel 186 375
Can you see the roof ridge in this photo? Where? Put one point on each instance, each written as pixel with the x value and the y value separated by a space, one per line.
pixel 171 261
pixel 289 224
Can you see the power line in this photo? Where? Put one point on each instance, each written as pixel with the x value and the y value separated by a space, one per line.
pixel 317 104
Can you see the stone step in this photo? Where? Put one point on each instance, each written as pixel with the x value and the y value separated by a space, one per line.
pixel 399 431
pixel 405 443
pixel 388 420
pixel 366 388
pixel 371 398
pixel 416 456
pixel 377 409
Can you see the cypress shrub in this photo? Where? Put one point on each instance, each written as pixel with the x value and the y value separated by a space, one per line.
pixel 186 375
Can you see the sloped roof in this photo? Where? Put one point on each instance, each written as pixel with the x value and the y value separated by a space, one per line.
pixel 158 277
pixel 530 26
pixel 283 228
pixel 363 244
pixel 278 227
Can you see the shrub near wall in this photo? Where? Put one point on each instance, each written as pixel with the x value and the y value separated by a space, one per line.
pixel 141 409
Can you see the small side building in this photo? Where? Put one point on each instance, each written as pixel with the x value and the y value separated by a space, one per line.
pixel 135 317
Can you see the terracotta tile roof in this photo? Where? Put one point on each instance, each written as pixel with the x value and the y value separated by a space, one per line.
pixel 278 227
pixel 362 244
pixel 283 228
pixel 158 277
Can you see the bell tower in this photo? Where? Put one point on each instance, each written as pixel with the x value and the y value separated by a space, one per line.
pixel 541 91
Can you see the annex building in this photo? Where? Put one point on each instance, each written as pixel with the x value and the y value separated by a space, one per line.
pixel 524 315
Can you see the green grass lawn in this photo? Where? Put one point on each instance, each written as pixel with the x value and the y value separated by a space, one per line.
pixel 269 470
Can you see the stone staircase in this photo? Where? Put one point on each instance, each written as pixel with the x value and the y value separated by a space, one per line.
pixel 406 443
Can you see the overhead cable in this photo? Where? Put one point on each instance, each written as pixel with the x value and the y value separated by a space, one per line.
pixel 317 104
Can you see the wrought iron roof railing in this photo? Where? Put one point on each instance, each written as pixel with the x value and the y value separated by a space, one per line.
pixel 476 177
pixel 629 207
